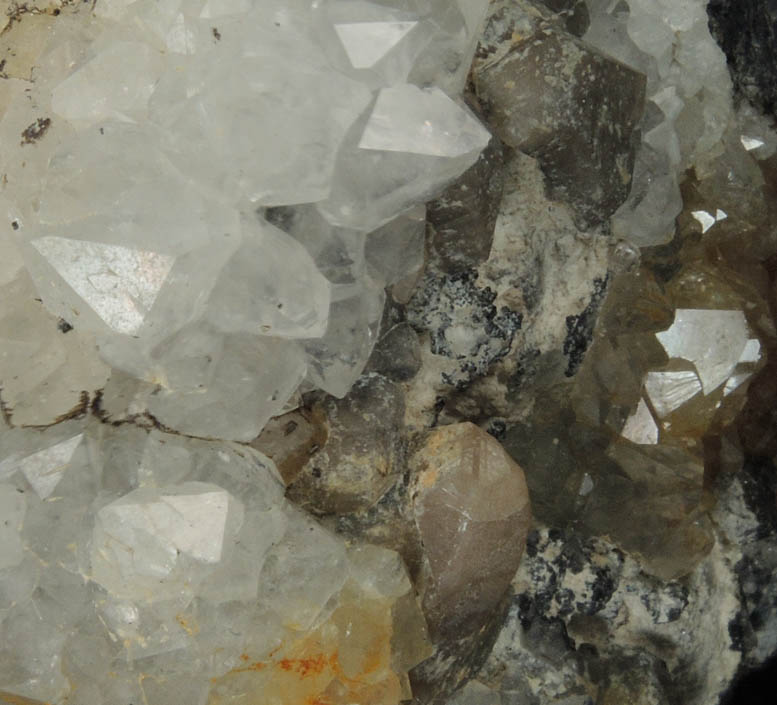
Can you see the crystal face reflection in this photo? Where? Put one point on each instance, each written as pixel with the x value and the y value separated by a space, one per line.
pixel 366 43
pixel 144 195
pixel 119 283
pixel 712 340
pixel 717 344
pixel 137 539
pixel 640 426
pixel 426 122
pixel 668 391
pixel 45 468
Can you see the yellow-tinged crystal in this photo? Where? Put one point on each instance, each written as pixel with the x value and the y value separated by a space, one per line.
pixel 348 659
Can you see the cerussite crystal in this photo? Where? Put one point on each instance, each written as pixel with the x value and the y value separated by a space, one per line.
pixel 535 80
pixel 472 510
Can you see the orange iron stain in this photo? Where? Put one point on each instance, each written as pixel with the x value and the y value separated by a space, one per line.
pixel 304 666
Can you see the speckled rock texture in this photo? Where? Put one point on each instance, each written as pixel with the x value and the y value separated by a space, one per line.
pixel 586 625
pixel 623 589
pixel 520 321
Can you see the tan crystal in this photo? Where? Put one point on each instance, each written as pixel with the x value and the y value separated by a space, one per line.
pixel 472 511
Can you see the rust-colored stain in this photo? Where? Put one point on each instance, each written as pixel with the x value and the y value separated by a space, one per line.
pixel 300 676
pixel 187 624
pixel 304 666
pixel 256 666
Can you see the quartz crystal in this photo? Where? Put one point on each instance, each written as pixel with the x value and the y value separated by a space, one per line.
pixel 535 79
pixel 469 494
pixel 471 511
pixel 667 372
pixel 141 560
pixel 688 102
pixel 194 184
pixel 714 341
pixel 300 300
pixel 205 204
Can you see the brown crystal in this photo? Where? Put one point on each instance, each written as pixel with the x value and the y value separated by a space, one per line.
pixel 471 507
pixel 536 86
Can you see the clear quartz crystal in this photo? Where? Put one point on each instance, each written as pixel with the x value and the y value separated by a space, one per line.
pixel 205 202
pixel 158 559
pixel 156 136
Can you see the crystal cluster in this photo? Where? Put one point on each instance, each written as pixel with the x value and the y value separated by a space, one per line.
pixel 688 96
pixel 140 566
pixel 667 374
pixel 216 192
pixel 205 201
pixel 535 79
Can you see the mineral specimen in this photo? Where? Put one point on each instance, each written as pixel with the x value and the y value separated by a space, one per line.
pixel 143 201
pixel 535 82
pixel 471 508
pixel 205 201
pixel 253 389
pixel 176 562
pixel 469 494
pixel 362 454
pixel 688 103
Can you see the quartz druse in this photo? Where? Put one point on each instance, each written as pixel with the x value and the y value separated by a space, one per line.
pixel 387 352
pixel 147 161
pixel 204 202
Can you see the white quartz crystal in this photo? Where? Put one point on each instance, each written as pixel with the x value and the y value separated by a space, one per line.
pixel 120 284
pixel 366 43
pixel 270 286
pixel 103 90
pixel 44 372
pixel 138 538
pixel 12 509
pixel 205 201
pixel 159 141
pixel 164 560
pixel 409 119
pixel 45 468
